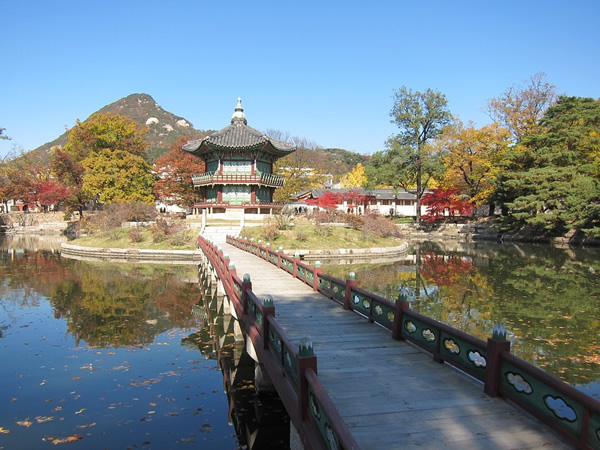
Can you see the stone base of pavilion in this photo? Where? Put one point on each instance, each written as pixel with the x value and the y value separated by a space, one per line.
pixel 234 213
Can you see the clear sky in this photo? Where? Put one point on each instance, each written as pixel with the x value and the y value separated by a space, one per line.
pixel 321 70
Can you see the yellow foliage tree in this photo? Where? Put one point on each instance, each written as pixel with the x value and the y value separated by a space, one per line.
pixel 472 157
pixel 355 178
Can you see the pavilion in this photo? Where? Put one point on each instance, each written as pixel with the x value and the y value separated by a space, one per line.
pixel 239 177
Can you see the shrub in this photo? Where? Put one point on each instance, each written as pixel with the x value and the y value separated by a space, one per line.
pixel 301 236
pixel 180 238
pixel 162 230
pixel 377 225
pixel 354 221
pixel 283 220
pixel 136 235
pixel 269 231
pixel 323 230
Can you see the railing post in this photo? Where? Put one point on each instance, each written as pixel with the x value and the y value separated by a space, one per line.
pixel 268 310
pixel 306 360
pixel 279 253
pixel 296 260
pixel 246 286
pixel 317 270
pixel 267 250
pixel 350 283
pixel 232 273
pixel 496 345
pixel 402 304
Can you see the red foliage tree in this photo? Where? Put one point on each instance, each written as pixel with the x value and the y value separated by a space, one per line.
pixel 442 202
pixel 326 201
pixel 175 170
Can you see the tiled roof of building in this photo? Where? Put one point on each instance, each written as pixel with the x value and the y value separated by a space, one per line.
pixel 238 136
pixel 379 194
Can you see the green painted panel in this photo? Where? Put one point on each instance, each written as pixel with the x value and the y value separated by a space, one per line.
pixel 594 437
pixel 323 422
pixel 425 334
pixel 361 302
pixel 559 408
pixel 469 355
pixel 383 314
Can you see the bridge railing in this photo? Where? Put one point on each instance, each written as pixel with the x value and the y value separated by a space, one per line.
pixel 563 407
pixel 293 370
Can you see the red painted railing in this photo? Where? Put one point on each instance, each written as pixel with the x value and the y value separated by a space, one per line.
pixel 564 408
pixel 293 370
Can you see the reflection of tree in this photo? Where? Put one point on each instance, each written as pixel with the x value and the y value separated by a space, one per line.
pixel 104 304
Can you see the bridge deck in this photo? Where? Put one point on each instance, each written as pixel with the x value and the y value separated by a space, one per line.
pixel 390 394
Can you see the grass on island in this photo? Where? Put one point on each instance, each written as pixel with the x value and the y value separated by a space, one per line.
pixel 121 238
pixel 318 237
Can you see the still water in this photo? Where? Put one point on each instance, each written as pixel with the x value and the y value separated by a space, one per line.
pixel 101 355
pixel 548 298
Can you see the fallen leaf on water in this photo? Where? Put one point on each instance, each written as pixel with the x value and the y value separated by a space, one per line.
pixel 80 411
pixel 4 430
pixel 56 440
pixel 24 423
pixel 76 378
pixel 14 399
pixel 93 424
pixel 42 419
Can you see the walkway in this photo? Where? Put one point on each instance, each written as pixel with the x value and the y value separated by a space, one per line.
pixel 390 394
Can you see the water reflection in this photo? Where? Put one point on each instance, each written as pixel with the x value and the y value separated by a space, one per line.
pixel 548 298
pixel 260 421
pixel 111 354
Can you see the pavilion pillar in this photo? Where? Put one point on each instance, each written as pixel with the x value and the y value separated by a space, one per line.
pixel 220 194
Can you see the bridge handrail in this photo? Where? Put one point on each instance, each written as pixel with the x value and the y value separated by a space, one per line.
pixel 260 317
pixel 489 362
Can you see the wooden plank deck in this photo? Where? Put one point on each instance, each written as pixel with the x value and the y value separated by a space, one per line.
pixel 390 394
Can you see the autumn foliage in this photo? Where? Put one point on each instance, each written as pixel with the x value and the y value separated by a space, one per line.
pixel 446 202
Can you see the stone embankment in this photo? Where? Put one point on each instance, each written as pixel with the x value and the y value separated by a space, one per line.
pixel 131 255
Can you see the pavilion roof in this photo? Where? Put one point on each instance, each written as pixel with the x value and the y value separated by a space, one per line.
pixel 238 136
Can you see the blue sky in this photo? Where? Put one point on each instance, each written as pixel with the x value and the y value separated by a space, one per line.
pixel 322 70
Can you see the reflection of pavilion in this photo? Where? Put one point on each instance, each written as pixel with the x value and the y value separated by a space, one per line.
pixel 239 175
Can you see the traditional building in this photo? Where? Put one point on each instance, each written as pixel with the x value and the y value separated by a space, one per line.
pixel 239 177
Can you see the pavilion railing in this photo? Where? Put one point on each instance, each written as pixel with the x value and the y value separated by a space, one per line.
pixel 564 408
pixel 260 178
pixel 293 369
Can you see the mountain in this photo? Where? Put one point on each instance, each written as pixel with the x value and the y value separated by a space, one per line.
pixel 164 127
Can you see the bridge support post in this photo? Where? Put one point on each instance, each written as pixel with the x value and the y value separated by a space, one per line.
pixel 400 307
pixel 350 283
pixel 306 360
pixel 497 344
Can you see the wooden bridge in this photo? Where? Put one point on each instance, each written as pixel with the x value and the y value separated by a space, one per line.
pixel 355 370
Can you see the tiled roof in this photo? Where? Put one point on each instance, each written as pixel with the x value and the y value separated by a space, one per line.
pixel 238 135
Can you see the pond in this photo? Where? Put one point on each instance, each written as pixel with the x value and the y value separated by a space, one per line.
pixel 105 355
pixel 548 298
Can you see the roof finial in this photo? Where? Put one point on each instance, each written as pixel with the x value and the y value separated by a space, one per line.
pixel 238 115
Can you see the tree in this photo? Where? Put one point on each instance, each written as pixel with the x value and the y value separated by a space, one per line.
pixel 117 176
pixel 472 156
pixel 420 116
pixel 2 135
pixel 174 170
pixel 302 170
pixel 440 202
pixel 553 181
pixel 355 178
pixel 520 108
pixel 104 153
pixel 329 200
